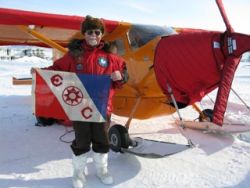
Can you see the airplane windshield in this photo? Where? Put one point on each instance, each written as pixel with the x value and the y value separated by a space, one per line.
pixel 139 35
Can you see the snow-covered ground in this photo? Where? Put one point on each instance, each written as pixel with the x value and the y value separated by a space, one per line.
pixel 36 157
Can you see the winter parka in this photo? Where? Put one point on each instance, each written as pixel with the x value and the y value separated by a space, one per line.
pixel 85 59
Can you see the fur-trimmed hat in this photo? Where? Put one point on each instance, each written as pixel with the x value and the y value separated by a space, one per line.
pixel 91 23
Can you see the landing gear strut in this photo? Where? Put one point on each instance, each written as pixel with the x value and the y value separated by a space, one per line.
pixel 118 135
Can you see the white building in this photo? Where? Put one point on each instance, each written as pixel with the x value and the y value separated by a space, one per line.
pixel 15 52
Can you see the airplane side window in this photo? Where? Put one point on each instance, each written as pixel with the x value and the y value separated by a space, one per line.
pixel 134 39
pixel 139 35
pixel 118 46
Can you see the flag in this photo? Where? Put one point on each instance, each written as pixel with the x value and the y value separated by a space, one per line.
pixel 70 96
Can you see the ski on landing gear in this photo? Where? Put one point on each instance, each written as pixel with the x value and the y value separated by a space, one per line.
pixel 121 142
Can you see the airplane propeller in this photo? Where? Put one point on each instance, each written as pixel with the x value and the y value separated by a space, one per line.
pixel 235 44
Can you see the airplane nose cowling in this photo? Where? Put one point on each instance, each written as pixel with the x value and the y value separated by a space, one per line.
pixel 195 62
pixel 190 62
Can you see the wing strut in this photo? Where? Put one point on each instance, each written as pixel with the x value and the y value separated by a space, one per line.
pixel 43 38
pixel 28 81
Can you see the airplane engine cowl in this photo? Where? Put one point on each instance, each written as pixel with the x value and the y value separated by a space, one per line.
pixel 190 62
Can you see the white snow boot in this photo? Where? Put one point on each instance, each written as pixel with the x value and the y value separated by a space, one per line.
pixel 79 164
pixel 101 164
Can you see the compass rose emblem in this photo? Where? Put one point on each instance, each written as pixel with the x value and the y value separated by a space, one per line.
pixel 102 61
pixel 72 95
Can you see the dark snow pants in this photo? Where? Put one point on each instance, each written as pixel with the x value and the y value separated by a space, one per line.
pixel 87 133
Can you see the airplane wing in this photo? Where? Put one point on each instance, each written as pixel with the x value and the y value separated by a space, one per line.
pixel 16 27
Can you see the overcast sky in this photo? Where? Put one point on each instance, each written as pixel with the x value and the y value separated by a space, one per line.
pixel 179 13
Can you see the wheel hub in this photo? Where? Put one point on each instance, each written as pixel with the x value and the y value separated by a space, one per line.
pixel 114 140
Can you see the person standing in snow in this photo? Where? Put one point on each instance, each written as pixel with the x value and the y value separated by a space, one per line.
pixel 92 56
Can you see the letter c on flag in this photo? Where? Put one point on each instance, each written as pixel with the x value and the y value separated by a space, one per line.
pixel 56 80
pixel 87 112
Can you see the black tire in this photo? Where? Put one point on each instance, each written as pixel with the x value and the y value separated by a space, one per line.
pixel 41 121
pixel 209 115
pixel 118 138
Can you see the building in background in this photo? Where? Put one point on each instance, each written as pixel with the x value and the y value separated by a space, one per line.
pixel 15 52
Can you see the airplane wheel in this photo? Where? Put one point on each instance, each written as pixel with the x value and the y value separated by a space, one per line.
pixel 209 115
pixel 41 121
pixel 118 138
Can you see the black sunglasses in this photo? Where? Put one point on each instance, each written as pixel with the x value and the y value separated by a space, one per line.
pixel 90 32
